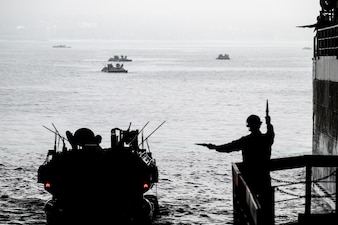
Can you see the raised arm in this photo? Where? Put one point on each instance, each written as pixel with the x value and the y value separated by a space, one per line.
pixel 270 131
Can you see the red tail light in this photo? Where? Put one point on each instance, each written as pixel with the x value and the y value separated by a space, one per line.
pixel 47 185
pixel 145 186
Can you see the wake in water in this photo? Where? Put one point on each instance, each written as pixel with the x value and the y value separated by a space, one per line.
pixel 18 203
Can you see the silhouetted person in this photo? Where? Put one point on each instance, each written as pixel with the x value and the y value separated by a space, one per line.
pixel 256 152
pixel 83 137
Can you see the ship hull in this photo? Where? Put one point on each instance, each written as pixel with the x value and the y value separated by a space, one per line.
pixel 325 114
pixel 109 213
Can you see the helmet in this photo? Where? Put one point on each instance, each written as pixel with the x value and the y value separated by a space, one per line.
pixel 85 136
pixel 253 121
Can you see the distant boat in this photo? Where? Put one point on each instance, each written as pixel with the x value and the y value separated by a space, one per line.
pixel 111 69
pixel 122 58
pixel 60 46
pixel 225 56
pixel 306 48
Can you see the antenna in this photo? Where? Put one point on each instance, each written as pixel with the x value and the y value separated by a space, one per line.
pixel 152 132
pixel 56 133
pixel 139 132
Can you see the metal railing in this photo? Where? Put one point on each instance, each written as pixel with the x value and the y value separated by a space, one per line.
pixel 247 208
pixel 326 42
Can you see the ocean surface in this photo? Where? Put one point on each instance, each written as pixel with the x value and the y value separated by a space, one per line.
pixel 201 99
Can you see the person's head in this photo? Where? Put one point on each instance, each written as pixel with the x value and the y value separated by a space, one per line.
pixel 85 136
pixel 253 122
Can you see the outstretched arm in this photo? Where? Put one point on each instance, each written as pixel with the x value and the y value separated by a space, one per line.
pixel 233 146
pixel 209 146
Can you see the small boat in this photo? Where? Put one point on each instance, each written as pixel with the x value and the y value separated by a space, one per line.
pixel 94 185
pixel 225 56
pixel 60 46
pixel 117 69
pixel 116 58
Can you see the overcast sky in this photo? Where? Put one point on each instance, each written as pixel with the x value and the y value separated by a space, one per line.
pixel 158 19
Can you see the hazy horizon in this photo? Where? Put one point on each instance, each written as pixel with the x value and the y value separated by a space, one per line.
pixel 260 20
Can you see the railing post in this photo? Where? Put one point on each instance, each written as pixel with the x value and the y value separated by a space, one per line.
pixel 336 190
pixel 234 195
pixel 272 205
pixel 315 46
pixel 237 195
pixel 308 177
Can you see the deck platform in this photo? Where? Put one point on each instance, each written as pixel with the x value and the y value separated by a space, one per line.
pixel 248 210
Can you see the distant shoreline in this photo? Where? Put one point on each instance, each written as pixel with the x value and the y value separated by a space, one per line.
pixel 201 43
